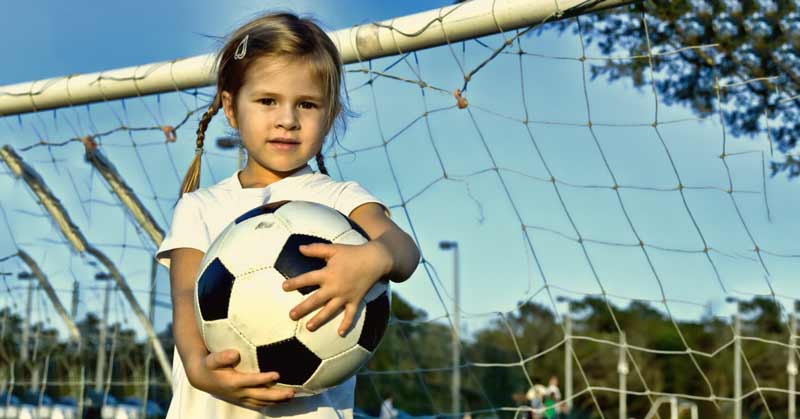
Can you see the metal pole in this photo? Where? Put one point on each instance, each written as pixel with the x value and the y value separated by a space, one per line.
pixel 26 326
pixel 456 389
pixel 149 351
pixel 44 283
pixel 126 195
pixel 737 365
pixel 673 407
pixel 402 34
pixel 26 334
pixel 101 341
pixel 791 366
pixel 76 297
pixel 81 391
pixel 622 369
pixel 75 237
pixel 568 360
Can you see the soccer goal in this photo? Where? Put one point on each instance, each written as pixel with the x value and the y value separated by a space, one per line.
pixel 598 188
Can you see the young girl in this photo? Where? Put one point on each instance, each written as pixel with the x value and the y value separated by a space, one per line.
pixel 279 80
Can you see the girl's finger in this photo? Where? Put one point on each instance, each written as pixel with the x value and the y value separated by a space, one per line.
pixel 314 301
pixel 252 403
pixel 330 310
pixel 347 321
pixel 305 280
pixel 223 359
pixel 257 380
pixel 267 395
pixel 318 250
pixel 255 404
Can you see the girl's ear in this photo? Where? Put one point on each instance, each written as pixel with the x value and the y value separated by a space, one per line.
pixel 227 106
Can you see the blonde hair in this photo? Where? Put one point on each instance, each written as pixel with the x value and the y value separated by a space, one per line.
pixel 273 35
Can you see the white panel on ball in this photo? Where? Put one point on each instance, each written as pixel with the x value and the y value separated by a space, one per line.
pixel 216 245
pixel 251 247
pixel 307 218
pixel 259 307
pixel 333 370
pixel 225 337
pixel 325 342
pixel 379 288
pixel 352 237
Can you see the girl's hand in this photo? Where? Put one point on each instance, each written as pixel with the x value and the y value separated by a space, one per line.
pixel 350 272
pixel 215 375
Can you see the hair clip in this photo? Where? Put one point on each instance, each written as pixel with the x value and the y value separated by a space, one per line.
pixel 241 50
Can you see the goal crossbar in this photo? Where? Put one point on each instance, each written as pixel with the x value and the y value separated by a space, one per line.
pixel 400 35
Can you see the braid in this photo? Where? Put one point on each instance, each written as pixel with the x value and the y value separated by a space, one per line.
pixel 321 164
pixel 192 179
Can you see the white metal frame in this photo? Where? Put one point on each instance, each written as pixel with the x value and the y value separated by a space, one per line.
pixel 372 40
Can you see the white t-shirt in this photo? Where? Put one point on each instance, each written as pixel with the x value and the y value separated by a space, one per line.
pixel 387 410
pixel 199 217
pixel 553 389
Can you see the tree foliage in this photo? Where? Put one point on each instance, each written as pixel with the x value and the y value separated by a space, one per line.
pixel 701 44
pixel 412 363
pixel 500 360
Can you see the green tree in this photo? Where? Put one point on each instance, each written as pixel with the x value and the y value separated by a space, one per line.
pixel 513 338
pixel 754 39
pixel 410 346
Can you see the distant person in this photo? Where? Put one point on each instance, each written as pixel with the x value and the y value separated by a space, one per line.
pixel 387 408
pixel 552 388
pixel 549 406
pixel 534 397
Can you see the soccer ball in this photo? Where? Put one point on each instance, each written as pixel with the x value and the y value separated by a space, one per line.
pixel 239 302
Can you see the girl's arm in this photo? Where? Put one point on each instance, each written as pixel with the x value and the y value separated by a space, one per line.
pixel 212 372
pixel 399 247
pixel 351 271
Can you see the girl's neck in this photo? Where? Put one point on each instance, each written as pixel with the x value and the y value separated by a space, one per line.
pixel 259 177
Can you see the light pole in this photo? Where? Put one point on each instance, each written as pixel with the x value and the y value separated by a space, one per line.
pixel 456 345
pixel 26 331
pixel 567 351
pixel 622 369
pixel 26 326
pixel 101 341
pixel 737 360
pixel 791 366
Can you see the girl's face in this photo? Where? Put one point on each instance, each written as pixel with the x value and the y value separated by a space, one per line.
pixel 280 113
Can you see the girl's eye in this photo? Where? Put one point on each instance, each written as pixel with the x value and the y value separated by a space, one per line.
pixel 266 101
pixel 308 105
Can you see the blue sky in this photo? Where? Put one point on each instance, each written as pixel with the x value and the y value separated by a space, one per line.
pixel 57 38
pixel 498 270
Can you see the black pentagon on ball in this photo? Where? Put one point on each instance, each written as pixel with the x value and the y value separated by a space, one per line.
pixel 292 263
pixel 264 209
pixel 376 318
pixel 292 360
pixel 214 291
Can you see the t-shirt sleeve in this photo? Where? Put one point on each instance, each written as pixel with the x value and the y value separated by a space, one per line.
pixel 188 229
pixel 353 196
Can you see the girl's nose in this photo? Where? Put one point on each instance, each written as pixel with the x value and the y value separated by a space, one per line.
pixel 287 118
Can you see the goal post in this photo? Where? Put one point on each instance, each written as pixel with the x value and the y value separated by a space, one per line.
pixel 404 34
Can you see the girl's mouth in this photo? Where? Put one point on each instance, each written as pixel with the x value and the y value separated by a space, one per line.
pixel 283 145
